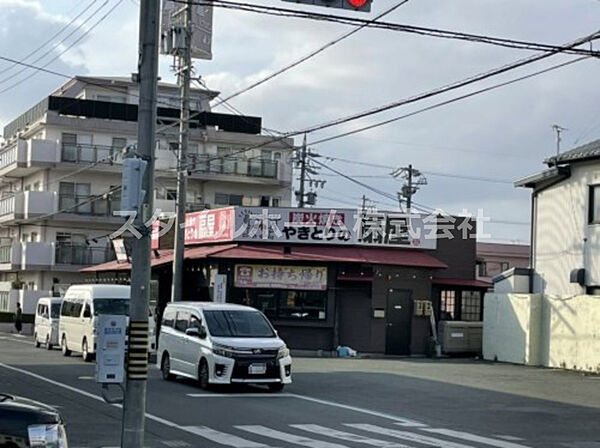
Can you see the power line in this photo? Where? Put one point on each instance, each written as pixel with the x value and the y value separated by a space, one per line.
pixel 54 36
pixel 432 173
pixel 89 30
pixel 310 55
pixel 446 102
pixel 441 90
pixel 433 32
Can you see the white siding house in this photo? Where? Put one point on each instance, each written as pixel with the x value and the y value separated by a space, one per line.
pixel 566 223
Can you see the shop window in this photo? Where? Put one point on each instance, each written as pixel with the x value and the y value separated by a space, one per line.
pixel 470 306
pixel 286 304
pixel 448 304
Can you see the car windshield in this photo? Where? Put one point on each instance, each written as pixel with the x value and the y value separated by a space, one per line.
pixel 111 306
pixel 55 310
pixel 236 323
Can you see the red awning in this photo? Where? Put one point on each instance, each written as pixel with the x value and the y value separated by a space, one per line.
pixel 278 252
pixel 346 254
pixel 462 282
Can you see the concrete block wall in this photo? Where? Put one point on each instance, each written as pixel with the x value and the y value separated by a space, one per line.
pixel 511 328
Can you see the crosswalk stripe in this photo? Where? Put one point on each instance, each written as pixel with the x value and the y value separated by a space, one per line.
pixel 405 435
pixel 223 438
pixel 287 437
pixel 349 437
pixel 474 438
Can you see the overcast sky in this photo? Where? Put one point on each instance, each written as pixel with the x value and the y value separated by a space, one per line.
pixel 502 135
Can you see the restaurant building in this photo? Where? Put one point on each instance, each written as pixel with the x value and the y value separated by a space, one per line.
pixel 326 278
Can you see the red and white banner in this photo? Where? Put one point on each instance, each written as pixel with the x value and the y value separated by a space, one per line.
pixel 209 226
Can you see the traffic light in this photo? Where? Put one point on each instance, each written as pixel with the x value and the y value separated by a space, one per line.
pixel 356 5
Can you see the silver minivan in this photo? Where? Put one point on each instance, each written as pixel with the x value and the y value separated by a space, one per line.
pixel 222 344
pixel 45 327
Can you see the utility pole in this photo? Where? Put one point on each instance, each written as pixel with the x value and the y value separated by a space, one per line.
pixel 134 404
pixel 410 189
pixel 184 76
pixel 414 180
pixel 559 130
pixel 301 192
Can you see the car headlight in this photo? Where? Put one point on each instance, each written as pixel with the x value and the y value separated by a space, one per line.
pixel 47 436
pixel 283 352
pixel 222 351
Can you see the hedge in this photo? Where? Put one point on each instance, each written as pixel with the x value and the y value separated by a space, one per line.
pixel 10 317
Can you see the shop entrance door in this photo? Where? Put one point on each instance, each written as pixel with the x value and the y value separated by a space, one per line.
pixel 398 322
pixel 355 317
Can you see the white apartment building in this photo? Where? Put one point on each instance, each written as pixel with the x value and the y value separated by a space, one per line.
pixel 61 159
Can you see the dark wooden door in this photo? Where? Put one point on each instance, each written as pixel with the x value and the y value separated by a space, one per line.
pixel 355 317
pixel 398 322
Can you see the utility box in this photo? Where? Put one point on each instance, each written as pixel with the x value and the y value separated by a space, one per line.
pixel 460 336
pixel 110 348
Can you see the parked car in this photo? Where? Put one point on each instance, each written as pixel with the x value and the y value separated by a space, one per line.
pixel 81 304
pixel 27 423
pixel 45 328
pixel 222 344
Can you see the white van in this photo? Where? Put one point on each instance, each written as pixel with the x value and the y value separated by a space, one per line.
pixel 45 328
pixel 81 304
pixel 222 344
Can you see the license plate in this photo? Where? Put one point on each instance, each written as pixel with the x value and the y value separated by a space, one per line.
pixel 257 369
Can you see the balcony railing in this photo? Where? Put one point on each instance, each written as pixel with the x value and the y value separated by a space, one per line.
pixel 5 253
pixel 81 254
pixel 8 156
pixel 205 163
pixel 67 203
pixel 82 153
pixel 7 205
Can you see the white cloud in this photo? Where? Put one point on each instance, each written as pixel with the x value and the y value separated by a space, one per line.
pixel 509 128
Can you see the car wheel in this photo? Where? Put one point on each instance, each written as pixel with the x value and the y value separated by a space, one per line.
pixel 276 387
pixel 203 375
pixel 35 341
pixel 165 368
pixel 48 345
pixel 85 352
pixel 63 346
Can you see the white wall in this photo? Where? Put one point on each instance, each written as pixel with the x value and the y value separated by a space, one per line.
pixel 563 239
pixel 511 328
pixel 571 333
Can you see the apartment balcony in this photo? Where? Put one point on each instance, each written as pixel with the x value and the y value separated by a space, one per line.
pixel 103 156
pixel 89 208
pixel 235 169
pixel 25 157
pixel 60 256
pixel 81 254
pixel 27 205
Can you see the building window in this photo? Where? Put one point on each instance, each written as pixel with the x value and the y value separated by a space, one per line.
pixel 594 204
pixel 171 194
pixel 275 202
pixel 470 306
pixel 482 269
pixel 286 304
pixel 229 199
pixel 447 304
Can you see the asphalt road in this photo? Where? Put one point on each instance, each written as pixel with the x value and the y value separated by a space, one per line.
pixel 332 404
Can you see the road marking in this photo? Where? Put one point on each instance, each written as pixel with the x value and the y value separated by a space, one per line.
pixel 85 378
pixel 348 436
pixel 287 437
pixel 223 438
pixel 248 395
pixel 16 340
pixel 357 409
pixel 474 438
pixel 511 438
pixel 409 436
